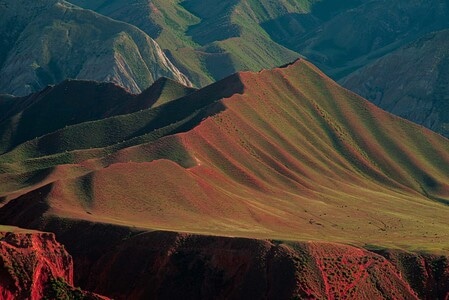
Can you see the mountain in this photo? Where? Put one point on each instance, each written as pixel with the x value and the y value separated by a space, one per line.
pixel 209 41
pixel 411 82
pixel 269 139
pixel 284 162
pixel 359 32
pixel 47 41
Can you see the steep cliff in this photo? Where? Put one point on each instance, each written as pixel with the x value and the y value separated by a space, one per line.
pixel 33 265
pixel 128 264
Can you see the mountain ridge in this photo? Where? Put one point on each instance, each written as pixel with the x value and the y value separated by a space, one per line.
pixel 116 51
pixel 266 152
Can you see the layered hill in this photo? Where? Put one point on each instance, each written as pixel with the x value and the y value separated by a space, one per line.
pixel 73 102
pixel 411 82
pixel 47 41
pixel 255 155
pixel 283 162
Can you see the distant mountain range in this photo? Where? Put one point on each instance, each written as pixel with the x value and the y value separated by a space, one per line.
pixel 214 39
pixel 411 82
pixel 47 41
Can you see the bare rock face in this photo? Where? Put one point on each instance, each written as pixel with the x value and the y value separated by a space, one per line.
pixel 44 42
pixel 168 265
pixel 33 265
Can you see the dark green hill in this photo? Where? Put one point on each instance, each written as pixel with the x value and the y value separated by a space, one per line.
pixel 46 41
pixel 73 102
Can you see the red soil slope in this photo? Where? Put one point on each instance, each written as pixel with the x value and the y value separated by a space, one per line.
pixel 293 157
pixel 33 265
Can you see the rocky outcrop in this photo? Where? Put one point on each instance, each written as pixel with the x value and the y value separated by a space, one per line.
pixel 44 42
pixel 127 264
pixel 33 265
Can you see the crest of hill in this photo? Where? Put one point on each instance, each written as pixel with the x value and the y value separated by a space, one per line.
pixel 44 42
pixel 282 154
pixel 73 102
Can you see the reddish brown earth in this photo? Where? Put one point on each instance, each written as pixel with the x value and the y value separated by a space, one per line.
pixel 168 265
pixel 201 211
pixel 33 265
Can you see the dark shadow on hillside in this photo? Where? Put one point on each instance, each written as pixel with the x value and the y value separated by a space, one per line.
pixel 144 126
pixel 215 22
pixel 26 211
pixel 326 9
pixel 219 65
pixel 288 29
pixel 187 112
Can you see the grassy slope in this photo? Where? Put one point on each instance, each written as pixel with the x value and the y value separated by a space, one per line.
pixel 216 38
pixel 73 102
pixel 293 157
pixel 208 41
pixel 47 44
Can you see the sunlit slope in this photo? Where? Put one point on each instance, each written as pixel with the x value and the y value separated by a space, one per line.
pixel 209 40
pixel 293 156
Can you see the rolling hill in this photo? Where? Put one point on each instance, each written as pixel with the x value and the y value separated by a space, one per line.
pixel 73 102
pixel 47 41
pixel 411 82
pixel 284 162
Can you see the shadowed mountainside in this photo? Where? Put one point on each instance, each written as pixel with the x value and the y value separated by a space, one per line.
pixel 411 82
pixel 73 102
pixel 209 41
pixel 44 42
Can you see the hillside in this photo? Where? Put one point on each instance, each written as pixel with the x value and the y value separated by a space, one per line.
pixel 44 42
pixel 411 82
pixel 283 162
pixel 268 142
pixel 73 102
pixel 209 41
pixel 364 30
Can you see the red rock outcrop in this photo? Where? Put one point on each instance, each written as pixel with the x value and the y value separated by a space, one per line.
pixel 33 265
pixel 166 265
